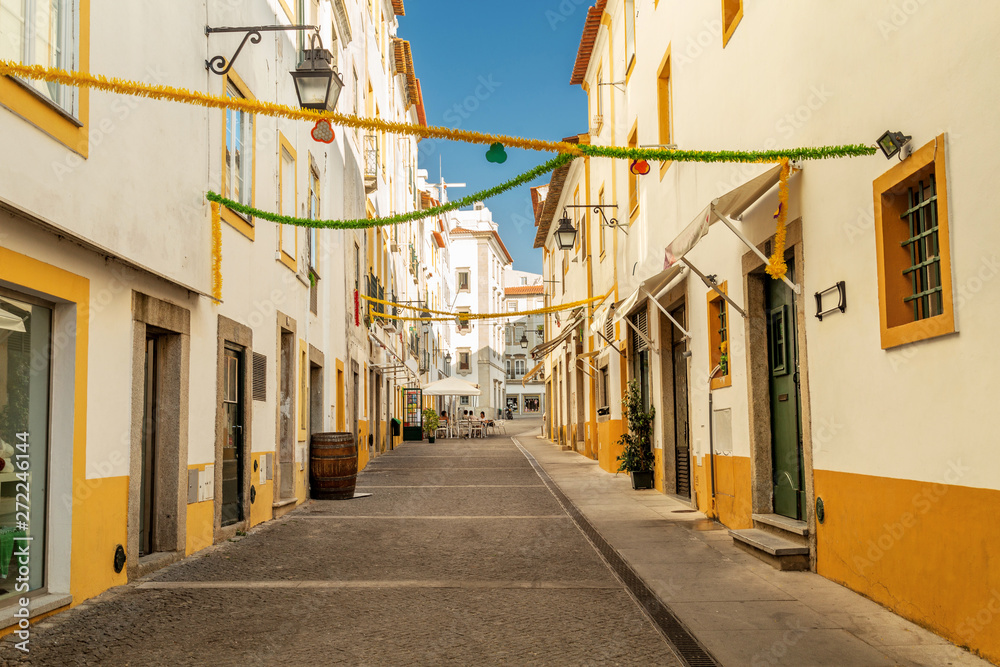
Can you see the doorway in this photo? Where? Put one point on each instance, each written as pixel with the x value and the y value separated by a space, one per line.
pixel 788 478
pixel 377 414
pixel 147 479
pixel 234 372
pixel 682 445
pixel 286 417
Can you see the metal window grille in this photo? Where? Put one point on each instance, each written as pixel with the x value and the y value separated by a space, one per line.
pixel 259 377
pixel 314 296
pixel 609 329
pixel 925 253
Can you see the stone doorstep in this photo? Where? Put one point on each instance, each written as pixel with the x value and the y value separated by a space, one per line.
pixel 283 507
pixel 769 543
pixel 783 523
pixel 776 551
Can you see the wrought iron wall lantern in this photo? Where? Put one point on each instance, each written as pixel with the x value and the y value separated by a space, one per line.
pixel 524 341
pixel 841 289
pixel 317 82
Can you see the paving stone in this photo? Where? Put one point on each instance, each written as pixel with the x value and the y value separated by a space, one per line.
pixel 472 574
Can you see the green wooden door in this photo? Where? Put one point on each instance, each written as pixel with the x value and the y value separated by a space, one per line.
pixel 786 428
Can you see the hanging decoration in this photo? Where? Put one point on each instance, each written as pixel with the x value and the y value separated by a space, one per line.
pixel 496 154
pixel 776 267
pixel 639 167
pixel 216 252
pixel 483 316
pixel 125 87
pixel 665 155
pixel 323 132
pixel 364 223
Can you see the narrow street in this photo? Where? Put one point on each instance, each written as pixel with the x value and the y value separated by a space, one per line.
pixel 461 555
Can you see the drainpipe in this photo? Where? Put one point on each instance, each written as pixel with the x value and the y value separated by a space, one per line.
pixel 711 434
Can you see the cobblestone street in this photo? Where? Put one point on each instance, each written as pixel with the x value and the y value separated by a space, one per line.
pixel 461 555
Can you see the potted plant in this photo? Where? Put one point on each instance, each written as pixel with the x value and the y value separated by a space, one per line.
pixel 431 423
pixel 637 456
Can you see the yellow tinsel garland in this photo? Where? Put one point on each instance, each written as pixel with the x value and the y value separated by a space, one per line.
pixel 480 316
pixel 126 87
pixel 216 252
pixel 776 267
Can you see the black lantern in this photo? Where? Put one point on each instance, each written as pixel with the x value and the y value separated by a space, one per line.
pixel 892 143
pixel 316 81
pixel 565 233
pixel 524 341
pixel 447 358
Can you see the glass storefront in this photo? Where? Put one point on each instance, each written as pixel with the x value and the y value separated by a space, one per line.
pixel 532 404
pixel 25 342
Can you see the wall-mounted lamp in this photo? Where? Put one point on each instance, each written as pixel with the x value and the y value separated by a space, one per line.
pixel 316 81
pixel 447 358
pixel 524 341
pixel 892 143
pixel 565 233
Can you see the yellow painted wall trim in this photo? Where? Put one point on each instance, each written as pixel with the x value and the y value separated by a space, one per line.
pixel 290 261
pixel 925 550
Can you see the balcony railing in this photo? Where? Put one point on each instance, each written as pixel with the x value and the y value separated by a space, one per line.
pixel 371 155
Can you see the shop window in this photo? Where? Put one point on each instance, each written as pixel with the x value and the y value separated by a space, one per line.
pixel 718 338
pixel 913 252
pixel 532 404
pixel 732 14
pixel 25 337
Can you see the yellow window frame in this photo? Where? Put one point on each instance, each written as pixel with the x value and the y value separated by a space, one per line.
pixel 896 323
pixel 732 14
pixel 73 133
pixel 243 224
pixel 717 304
pixel 286 146
pixel 664 106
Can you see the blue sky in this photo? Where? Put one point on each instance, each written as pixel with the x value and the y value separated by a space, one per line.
pixel 499 67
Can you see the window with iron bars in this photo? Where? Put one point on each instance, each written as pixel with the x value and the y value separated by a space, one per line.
pixel 924 271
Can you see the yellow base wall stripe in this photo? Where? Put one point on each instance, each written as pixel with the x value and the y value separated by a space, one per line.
pixel 929 552
pixel 733 491
pixel 100 520
pixel 200 526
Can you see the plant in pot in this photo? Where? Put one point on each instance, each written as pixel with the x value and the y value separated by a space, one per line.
pixel 637 456
pixel 431 423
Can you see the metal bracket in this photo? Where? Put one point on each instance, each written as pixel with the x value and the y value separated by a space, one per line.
pixel 841 288
pixel 619 85
pixel 711 284
pixel 610 342
pixel 599 208
pixel 732 227
pixel 220 65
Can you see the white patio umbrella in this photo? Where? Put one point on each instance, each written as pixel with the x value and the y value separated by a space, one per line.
pixel 451 387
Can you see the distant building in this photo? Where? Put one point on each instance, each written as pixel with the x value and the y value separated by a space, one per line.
pixel 479 258
pixel 525 389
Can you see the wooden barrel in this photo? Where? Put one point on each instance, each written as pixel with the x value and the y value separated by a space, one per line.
pixel 333 466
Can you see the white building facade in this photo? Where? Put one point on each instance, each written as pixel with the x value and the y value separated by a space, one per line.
pixel 525 390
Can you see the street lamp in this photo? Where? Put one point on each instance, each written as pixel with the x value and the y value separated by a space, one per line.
pixel 524 341
pixel 447 358
pixel 565 233
pixel 316 81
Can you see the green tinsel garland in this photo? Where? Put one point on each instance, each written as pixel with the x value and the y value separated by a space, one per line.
pixel 665 155
pixel 365 223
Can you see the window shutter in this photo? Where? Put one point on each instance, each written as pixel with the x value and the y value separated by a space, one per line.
pixel 638 344
pixel 259 377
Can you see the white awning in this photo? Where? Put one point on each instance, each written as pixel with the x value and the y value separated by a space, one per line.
pixel 732 204
pixel 601 317
pixel 530 374
pixel 542 349
pixel 725 209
